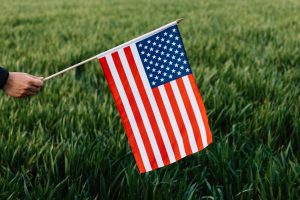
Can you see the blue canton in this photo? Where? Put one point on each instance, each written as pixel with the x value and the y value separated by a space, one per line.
pixel 163 57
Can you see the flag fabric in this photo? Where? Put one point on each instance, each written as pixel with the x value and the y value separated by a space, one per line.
pixel 157 98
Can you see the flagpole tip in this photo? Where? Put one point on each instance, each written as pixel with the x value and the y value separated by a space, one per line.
pixel 179 20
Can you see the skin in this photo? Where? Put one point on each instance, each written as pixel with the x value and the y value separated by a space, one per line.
pixel 22 85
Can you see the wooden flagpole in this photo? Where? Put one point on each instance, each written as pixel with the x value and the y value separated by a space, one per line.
pixel 99 55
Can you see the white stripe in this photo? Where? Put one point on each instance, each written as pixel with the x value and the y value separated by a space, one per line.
pixel 141 108
pixel 196 109
pixel 129 113
pixel 185 117
pixel 153 104
pixel 172 118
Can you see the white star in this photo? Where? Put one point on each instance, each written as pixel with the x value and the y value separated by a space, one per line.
pixel 145 60
pixel 165 47
pixel 157 38
pixel 176 65
pixel 171 49
pixel 170 76
pixel 182 54
pixel 173 70
pixel 187 69
pixel 159 58
pixel 154 56
pixel 173 43
pixel 154 43
pixel 179 46
pixel 162 53
pixel 165 60
pixel 179 59
pixel 159 72
pixel 153 82
pixel 181 67
pixel 168 55
pixel 143 52
pixel 168 41
pixel 161 80
pixel 184 62
pixel 148 67
pixel 165 74
pixel 153 69
pixel 178 72
pixel 140 45
pixel 174 29
pixel 150 75
pixel 151 49
pixel 156 77
pixel 176 51
pixel 168 68
pixel 176 38
pixel 159 45
pixel 170 35
pixel 165 33
pixel 156 64
pixel 148 41
pixel 148 54
pixel 146 47
pixel 173 57
pixel 170 63
pixel 151 62
pixel 162 66
pixel 156 51
pixel 162 39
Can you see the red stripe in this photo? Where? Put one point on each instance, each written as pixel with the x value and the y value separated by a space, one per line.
pixel 122 112
pixel 178 117
pixel 135 109
pixel 201 106
pixel 190 112
pixel 166 121
pixel 147 105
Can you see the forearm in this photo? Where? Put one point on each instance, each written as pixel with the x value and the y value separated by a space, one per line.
pixel 3 77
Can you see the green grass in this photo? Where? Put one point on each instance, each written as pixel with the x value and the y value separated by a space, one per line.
pixel 68 142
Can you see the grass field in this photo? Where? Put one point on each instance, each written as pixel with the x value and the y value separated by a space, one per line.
pixel 68 142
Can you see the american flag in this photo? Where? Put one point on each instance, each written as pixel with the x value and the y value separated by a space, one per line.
pixel 157 97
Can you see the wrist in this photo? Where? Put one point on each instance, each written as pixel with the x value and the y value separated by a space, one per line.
pixel 4 74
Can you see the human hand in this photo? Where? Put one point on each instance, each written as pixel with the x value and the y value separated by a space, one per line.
pixel 22 85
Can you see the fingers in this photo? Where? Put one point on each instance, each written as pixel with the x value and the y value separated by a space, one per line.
pixel 35 81
pixel 33 88
pixel 33 85
pixel 36 77
pixel 28 93
pixel 23 94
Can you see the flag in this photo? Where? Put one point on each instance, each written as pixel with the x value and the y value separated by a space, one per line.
pixel 157 98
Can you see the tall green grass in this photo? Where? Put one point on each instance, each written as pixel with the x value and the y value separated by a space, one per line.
pixel 68 142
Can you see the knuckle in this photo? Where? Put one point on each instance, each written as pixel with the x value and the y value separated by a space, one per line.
pixel 23 92
pixel 30 82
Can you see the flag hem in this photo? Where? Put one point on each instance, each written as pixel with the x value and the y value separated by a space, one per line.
pixel 137 39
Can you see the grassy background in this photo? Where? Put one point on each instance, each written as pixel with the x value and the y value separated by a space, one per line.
pixel 68 141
